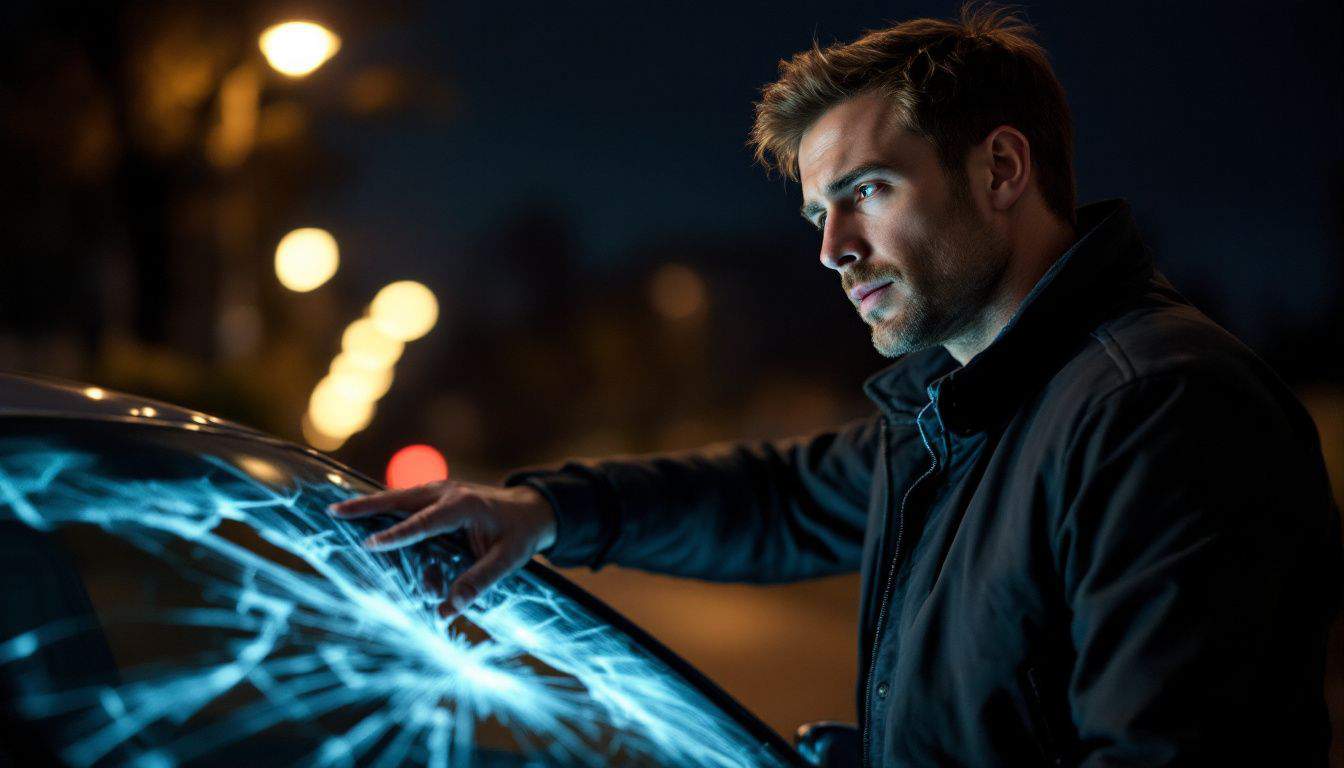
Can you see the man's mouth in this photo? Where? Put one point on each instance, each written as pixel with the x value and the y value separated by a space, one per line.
pixel 868 294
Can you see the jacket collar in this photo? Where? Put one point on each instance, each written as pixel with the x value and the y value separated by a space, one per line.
pixel 1105 267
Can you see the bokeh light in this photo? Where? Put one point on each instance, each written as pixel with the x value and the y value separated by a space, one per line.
pixel 296 48
pixel 334 412
pixel 317 438
pixel 306 258
pixel 342 403
pixel 678 292
pixel 372 383
pixel 416 465
pixel 369 346
pixel 404 310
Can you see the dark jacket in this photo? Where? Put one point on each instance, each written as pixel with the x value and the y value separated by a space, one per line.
pixel 1106 540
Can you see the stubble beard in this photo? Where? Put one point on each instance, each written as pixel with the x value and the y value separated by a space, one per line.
pixel 959 275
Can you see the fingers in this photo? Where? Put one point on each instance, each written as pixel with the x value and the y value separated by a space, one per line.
pixel 404 499
pixel 443 516
pixel 493 566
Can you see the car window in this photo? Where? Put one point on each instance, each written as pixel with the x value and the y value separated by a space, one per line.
pixel 176 596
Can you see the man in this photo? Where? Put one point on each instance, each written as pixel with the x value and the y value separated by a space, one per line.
pixel 1093 528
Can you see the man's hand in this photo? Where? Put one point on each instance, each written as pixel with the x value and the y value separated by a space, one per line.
pixel 505 527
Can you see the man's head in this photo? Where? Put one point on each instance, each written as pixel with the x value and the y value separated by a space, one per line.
pixel 932 156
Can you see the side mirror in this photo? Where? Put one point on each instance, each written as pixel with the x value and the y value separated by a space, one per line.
pixel 828 744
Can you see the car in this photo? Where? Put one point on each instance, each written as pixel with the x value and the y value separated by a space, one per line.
pixel 176 594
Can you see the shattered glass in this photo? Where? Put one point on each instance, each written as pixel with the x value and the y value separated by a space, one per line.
pixel 179 597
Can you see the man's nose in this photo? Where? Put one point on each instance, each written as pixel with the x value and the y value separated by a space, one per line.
pixel 840 245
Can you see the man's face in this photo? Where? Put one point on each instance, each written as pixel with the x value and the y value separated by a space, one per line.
pixel 914 255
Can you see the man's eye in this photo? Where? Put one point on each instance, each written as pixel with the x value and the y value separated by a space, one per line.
pixel 866 191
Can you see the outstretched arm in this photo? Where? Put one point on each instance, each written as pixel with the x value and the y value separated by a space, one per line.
pixel 762 512
pixel 769 511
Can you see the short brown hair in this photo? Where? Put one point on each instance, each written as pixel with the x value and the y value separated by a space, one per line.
pixel 952 81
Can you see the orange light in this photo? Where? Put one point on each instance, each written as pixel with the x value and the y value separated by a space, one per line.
pixel 415 465
pixel 296 48
pixel 678 292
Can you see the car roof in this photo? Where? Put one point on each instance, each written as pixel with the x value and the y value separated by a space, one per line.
pixel 31 395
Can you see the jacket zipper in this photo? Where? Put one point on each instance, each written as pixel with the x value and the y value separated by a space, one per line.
pixel 1048 743
pixel 891 575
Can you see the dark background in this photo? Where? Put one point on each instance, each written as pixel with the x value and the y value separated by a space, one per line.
pixel 539 167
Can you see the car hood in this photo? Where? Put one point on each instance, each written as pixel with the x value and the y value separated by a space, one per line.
pixel 30 395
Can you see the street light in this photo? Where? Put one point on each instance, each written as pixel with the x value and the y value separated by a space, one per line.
pixel 297 48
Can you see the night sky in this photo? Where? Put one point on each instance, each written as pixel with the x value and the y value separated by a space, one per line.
pixel 1221 123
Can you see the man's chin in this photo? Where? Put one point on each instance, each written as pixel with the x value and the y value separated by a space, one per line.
pixel 891 342
pixel 894 337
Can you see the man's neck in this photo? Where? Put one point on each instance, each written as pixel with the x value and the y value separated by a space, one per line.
pixel 1039 249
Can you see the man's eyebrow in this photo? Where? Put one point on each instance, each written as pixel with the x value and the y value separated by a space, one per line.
pixel 812 207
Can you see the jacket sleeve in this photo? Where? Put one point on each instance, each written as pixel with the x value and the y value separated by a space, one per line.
pixel 761 512
pixel 1199 552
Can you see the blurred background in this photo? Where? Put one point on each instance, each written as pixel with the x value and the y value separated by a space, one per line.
pixel 517 232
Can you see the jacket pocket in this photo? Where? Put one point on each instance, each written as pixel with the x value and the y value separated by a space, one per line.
pixel 1048 732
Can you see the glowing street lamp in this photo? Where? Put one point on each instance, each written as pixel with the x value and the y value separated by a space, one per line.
pixel 306 258
pixel 297 48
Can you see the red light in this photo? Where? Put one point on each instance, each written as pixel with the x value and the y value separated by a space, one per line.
pixel 415 465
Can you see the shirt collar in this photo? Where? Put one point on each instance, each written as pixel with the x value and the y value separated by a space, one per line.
pixel 1107 265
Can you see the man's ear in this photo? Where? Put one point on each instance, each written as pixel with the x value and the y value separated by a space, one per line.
pixel 1008 154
